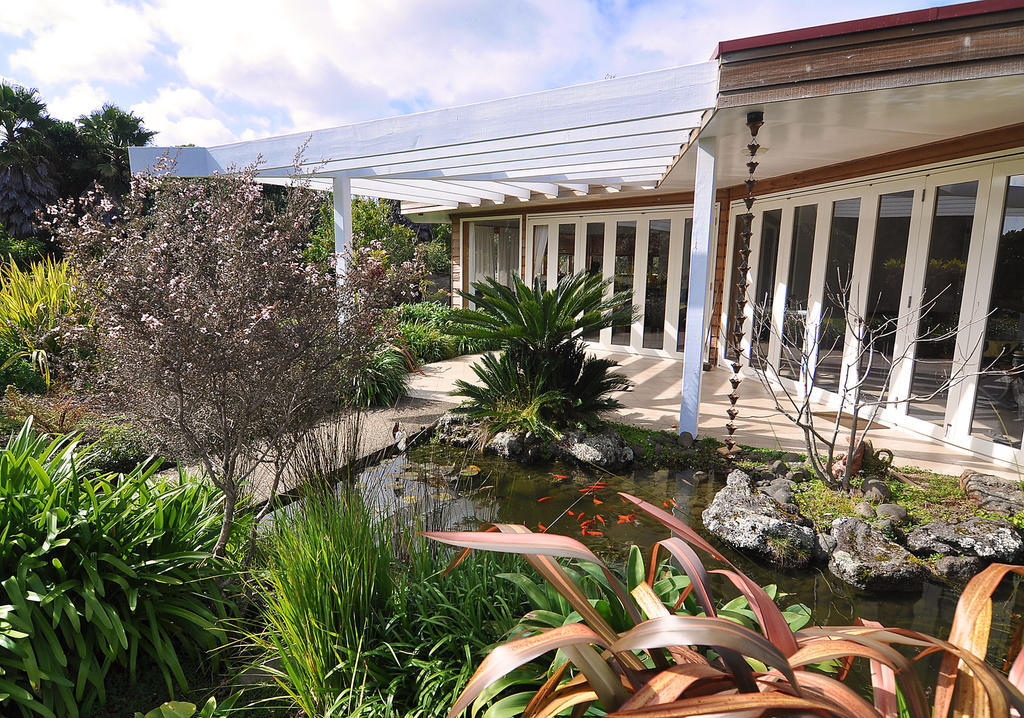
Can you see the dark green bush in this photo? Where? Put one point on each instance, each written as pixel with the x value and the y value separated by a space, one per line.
pixel 16 371
pixel 96 570
pixel 427 332
pixel 383 381
pixel 120 448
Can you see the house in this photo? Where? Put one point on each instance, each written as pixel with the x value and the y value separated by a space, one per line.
pixel 891 160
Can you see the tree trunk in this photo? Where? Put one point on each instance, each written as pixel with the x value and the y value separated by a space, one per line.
pixel 230 501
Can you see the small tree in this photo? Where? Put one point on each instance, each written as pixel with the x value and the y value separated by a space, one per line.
pixel 865 374
pixel 212 329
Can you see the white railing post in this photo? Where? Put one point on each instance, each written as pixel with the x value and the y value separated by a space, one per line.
pixel 700 271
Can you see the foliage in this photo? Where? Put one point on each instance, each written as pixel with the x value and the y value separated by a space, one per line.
pixel 108 133
pixel 670 664
pixel 543 381
pixel 37 307
pixel 211 330
pixel 27 178
pixel 183 709
pixel 382 381
pixel 652 447
pixel 15 371
pixel 426 331
pixel 373 226
pixel 119 447
pixel 21 251
pixel 438 251
pixel 99 568
pixel 390 636
pixel 543 393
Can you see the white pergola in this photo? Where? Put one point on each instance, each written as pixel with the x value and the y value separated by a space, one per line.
pixel 618 134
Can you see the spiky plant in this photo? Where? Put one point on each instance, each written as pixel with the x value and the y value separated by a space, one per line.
pixel 667 665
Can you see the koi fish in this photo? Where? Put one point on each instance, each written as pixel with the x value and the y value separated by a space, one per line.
pixel 541 526
pixel 595 533
pixel 598 501
pixel 559 476
pixel 600 518
pixel 570 513
pixel 543 499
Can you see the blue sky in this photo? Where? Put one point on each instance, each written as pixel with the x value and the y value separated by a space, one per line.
pixel 215 71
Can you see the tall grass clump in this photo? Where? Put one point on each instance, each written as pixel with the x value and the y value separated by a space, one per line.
pixel 99 572
pixel 34 303
pixel 356 619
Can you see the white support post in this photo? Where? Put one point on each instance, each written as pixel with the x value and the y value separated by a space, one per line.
pixel 342 222
pixel 700 271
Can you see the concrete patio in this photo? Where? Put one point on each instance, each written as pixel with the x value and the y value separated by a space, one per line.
pixel 654 402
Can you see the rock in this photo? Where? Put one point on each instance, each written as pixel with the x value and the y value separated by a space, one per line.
pixel 507 445
pixel 790 458
pixel 892 511
pixel 457 430
pixel 960 569
pixel 891 529
pixel 992 493
pixel 825 546
pixel 985 538
pixel 783 483
pixel 783 496
pixel 866 559
pixel 606 449
pixel 699 477
pixel 752 521
pixel 864 510
pixel 875 490
pixel 798 475
pixel 779 468
pixel 685 440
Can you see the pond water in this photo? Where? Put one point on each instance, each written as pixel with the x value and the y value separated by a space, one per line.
pixel 453 489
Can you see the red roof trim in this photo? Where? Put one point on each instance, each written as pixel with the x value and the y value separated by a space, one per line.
pixel 912 17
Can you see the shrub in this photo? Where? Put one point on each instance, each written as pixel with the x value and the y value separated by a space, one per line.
pixel 543 381
pixel 98 570
pixel 426 331
pixel 383 381
pixel 668 664
pixel 36 305
pixel 16 371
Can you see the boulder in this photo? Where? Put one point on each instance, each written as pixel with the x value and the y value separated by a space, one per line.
pixel 895 512
pixel 606 449
pixel 457 430
pixel 992 493
pixel 798 475
pixel 866 559
pixel 507 445
pixel 984 538
pixel 699 477
pixel 685 440
pixel 875 490
pixel 790 458
pixel 826 545
pixel 864 510
pixel 787 484
pixel 752 521
pixel 783 495
pixel 779 468
pixel 959 569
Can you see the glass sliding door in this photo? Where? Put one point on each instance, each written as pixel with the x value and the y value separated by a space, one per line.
pixel 495 250
pixel 948 248
pixel 594 257
pixel 625 252
pixel 885 286
pixel 540 253
pixel 657 283
pixel 798 290
pixel 764 286
pixel 999 401
pixel 566 249
pixel 684 283
pixel 842 243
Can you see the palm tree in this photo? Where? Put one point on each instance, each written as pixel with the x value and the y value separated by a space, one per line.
pixel 27 183
pixel 109 132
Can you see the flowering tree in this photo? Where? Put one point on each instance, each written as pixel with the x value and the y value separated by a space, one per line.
pixel 211 327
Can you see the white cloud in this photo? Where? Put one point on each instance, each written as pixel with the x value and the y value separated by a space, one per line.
pixel 80 99
pixel 80 41
pixel 184 115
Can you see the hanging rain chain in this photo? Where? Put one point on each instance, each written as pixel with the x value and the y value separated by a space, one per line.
pixel 754 122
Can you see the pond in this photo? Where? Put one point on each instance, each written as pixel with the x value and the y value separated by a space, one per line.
pixel 454 489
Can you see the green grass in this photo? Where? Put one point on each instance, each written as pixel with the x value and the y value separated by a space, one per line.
pixel 938 498
pixel 821 504
pixel 655 448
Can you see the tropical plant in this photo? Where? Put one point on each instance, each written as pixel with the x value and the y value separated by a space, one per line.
pixel 27 180
pixel 667 664
pixel 36 306
pixel 108 133
pixel 184 709
pixel 212 332
pixel 543 381
pixel 98 571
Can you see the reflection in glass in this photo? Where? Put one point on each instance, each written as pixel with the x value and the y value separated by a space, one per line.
pixel 999 402
pixel 684 283
pixel 566 249
pixel 540 253
pixel 798 290
pixel 625 249
pixel 885 286
pixel 842 243
pixel 943 289
pixel 657 283
pixel 594 259
pixel 764 288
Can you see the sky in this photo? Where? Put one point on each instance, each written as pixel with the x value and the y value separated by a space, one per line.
pixel 210 72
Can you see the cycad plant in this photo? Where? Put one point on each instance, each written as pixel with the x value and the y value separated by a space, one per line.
pixel 655 658
pixel 543 381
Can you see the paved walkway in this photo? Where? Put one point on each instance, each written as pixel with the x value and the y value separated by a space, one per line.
pixel 654 402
